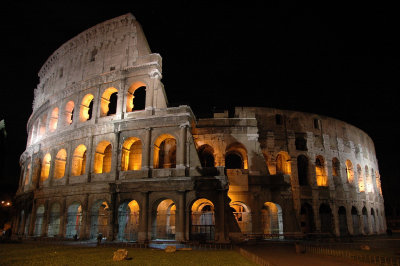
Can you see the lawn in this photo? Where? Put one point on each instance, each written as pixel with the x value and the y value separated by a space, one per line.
pixel 47 254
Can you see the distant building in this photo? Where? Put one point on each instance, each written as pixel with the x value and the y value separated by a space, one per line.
pixel 106 154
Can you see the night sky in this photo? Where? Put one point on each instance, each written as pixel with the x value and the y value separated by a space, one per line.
pixel 330 61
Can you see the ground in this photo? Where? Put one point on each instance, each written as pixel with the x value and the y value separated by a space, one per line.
pixel 46 254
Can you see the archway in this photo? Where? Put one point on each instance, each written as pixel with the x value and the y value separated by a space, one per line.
pixel 128 221
pixel 102 157
pixel 365 220
pixel 131 154
pixel 242 215
pixel 74 220
pixel 283 163
pixel 59 167
pixel 236 156
pixel 373 221
pixel 165 152
pixel 108 105
pixel 69 112
pixel 271 219
pixel 164 220
pixel 45 169
pixel 302 170
pixel 320 172
pixel 356 221
pixel 79 161
pixel 325 216
pixel 202 220
pixel 54 220
pixel 206 154
pixel 86 108
pixel 99 219
pixel 343 221
pixel 53 120
pixel 136 97
pixel 307 218
pixel 39 221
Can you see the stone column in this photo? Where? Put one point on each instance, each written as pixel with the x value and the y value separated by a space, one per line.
pixel 143 225
pixel 180 228
pixel 85 226
pixel 181 155
pixel 46 218
pixel 336 224
pixel 32 220
pixel 63 217
pixel 349 220
pixel 220 218
pixel 155 77
pixel 147 149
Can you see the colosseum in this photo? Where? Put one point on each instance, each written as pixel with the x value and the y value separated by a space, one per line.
pixel 106 154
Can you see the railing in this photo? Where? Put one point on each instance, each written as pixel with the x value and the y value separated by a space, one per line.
pixel 356 256
pixel 254 258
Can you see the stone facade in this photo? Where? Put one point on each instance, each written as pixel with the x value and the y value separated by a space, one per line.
pixel 105 154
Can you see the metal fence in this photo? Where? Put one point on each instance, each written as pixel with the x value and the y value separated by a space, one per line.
pixel 359 258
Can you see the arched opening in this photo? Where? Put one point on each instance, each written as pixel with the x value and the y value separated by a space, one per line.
pixel 361 184
pixel 164 220
pixel 39 221
pixel 165 152
pixel 300 143
pixel 302 170
pixel 69 112
pixel 271 219
pixel 60 162
pixel 283 163
pixel 54 220
pixel 325 216
pixel 99 219
pixel 109 99
pixel 350 172
pixel 356 221
pixel 42 125
pixel 307 218
pixel 131 154
pixel 53 120
pixel 128 221
pixel 45 169
pixel 74 220
pixel 242 215
pixel 320 172
pixel 365 220
pixel 206 155
pixel 336 171
pixel 136 97
pixel 373 221
pixel 86 108
pixel 202 220
pixel 27 174
pixel 102 157
pixel 79 161
pixel 344 231
pixel 368 181
pixel 236 157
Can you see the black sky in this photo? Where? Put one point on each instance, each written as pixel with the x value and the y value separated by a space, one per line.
pixel 331 61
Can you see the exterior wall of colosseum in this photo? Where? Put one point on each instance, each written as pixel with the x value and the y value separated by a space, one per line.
pixel 105 154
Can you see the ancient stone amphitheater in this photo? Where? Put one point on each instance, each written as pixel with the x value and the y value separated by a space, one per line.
pixel 107 155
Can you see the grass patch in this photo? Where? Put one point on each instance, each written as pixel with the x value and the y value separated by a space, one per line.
pixel 46 254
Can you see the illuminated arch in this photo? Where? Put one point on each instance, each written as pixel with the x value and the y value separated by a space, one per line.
pixel 165 152
pixel 45 168
pixel 202 220
pixel 136 97
pixel 27 174
pixel 128 221
pixel 283 163
pixel 69 112
pixel 79 161
pixel 368 181
pixel 86 108
pixel 74 220
pixel 108 102
pixel 54 220
pixel 42 125
pixel 53 120
pixel 350 172
pixel 320 172
pixel 236 156
pixel 102 157
pixel 131 154
pixel 163 220
pixel 99 219
pixel 60 162
pixel 271 219
pixel 242 215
